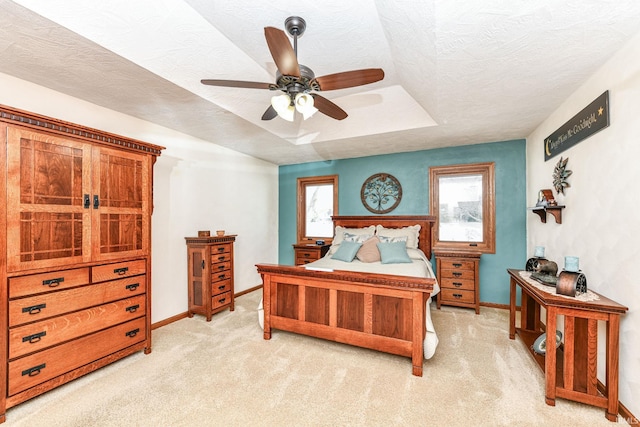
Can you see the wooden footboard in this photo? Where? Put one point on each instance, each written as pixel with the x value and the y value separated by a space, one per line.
pixel 376 311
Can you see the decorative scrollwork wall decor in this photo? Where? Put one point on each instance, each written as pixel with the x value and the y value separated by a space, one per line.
pixel 560 175
pixel 381 193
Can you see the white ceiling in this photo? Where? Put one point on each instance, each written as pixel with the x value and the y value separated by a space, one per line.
pixel 456 72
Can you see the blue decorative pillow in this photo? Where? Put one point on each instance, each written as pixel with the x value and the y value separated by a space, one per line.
pixel 393 252
pixel 347 251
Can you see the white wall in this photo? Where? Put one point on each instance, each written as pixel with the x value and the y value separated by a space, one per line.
pixel 197 186
pixel 600 222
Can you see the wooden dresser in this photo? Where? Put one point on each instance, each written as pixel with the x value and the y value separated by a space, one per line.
pixel 304 253
pixel 76 240
pixel 210 270
pixel 458 275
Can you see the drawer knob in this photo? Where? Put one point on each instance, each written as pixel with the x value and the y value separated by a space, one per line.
pixel 32 372
pixel 457 284
pixel 133 308
pixel 120 271
pixel 457 264
pixel 34 338
pixel 34 309
pixel 52 283
pixel 132 287
pixel 132 333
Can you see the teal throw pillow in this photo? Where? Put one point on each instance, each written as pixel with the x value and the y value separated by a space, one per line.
pixel 393 253
pixel 347 251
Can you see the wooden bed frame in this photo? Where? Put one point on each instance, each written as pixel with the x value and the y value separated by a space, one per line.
pixel 377 311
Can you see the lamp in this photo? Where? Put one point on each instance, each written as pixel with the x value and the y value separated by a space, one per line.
pixel 282 105
pixel 285 105
pixel 304 105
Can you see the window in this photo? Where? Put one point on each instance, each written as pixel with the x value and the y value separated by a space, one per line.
pixel 317 202
pixel 462 199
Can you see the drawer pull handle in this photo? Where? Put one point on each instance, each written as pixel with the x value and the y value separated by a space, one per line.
pixel 32 339
pixel 32 372
pixel 52 283
pixel 132 333
pixel 457 274
pixel 221 300
pixel 221 249
pixel 457 264
pixel 221 287
pixel 457 284
pixel 34 309
pixel 221 276
pixel 120 271
pixel 221 258
pixel 133 308
pixel 306 255
pixel 132 287
pixel 457 296
pixel 221 267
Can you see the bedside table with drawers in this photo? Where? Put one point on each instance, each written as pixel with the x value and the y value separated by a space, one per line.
pixel 304 253
pixel 458 275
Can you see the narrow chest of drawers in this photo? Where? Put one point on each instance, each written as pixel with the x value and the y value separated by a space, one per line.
pixel 458 275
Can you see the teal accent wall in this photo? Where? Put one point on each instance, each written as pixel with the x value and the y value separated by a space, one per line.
pixel 412 170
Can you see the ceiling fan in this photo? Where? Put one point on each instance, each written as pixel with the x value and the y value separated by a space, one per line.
pixel 298 82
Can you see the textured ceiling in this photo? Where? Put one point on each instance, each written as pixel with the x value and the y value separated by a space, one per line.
pixel 456 72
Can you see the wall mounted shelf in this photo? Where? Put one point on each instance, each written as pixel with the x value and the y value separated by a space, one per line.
pixel 555 211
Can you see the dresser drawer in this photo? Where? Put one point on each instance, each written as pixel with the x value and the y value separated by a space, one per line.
pixel 220 287
pixel 118 270
pixel 46 333
pixel 302 261
pixel 466 284
pixel 307 254
pixel 220 276
pixel 217 257
pixel 217 250
pixel 456 295
pixel 457 264
pixel 221 266
pixel 47 282
pixel 220 300
pixel 458 274
pixel 39 367
pixel 39 307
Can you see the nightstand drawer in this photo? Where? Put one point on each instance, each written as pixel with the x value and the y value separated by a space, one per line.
pixel 466 284
pixel 455 295
pixel 458 274
pixel 457 264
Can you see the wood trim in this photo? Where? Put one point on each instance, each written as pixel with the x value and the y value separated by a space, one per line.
pixel 60 127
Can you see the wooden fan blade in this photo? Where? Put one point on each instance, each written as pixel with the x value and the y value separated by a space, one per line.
pixel 282 52
pixel 270 113
pixel 350 79
pixel 327 107
pixel 236 83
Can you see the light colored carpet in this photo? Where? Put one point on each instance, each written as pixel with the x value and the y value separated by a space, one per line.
pixel 223 373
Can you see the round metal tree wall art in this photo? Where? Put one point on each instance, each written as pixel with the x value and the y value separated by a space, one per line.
pixel 560 175
pixel 381 193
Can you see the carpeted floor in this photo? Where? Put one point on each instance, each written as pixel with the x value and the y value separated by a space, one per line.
pixel 223 373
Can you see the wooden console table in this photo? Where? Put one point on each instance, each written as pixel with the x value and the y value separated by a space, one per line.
pixel 570 370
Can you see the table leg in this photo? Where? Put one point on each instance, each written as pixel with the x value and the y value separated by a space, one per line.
pixel 550 357
pixel 613 349
pixel 512 309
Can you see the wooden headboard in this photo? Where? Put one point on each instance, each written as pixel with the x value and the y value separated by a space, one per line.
pixel 392 221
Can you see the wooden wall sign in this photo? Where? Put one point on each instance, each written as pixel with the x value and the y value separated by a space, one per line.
pixel 593 118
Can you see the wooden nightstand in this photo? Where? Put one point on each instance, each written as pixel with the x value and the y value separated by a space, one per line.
pixel 304 253
pixel 458 275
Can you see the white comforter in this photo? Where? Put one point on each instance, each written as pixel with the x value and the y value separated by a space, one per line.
pixel 420 267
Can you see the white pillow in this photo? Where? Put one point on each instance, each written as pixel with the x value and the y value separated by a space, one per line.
pixel 339 233
pixel 412 232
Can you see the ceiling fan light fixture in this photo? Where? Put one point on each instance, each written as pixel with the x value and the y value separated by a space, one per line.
pixel 282 105
pixel 304 105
